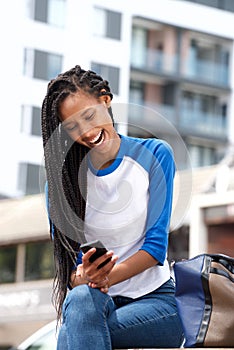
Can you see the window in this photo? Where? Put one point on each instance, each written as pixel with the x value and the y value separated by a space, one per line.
pixel 209 60
pixel 107 23
pixel 138 47
pixel 136 94
pixel 31 120
pixel 8 264
pixel 42 65
pixel 50 11
pixel 109 73
pixel 39 261
pixel 26 262
pixel 36 121
pixel 202 156
pixel 29 178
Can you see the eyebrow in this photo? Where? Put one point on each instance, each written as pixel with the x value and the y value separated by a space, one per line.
pixel 90 109
pixel 70 120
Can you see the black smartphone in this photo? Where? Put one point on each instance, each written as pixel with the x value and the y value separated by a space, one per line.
pixel 100 250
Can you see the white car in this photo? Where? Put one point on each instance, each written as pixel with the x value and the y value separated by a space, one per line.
pixel 43 339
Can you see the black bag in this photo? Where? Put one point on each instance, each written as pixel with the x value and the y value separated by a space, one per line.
pixel 205 300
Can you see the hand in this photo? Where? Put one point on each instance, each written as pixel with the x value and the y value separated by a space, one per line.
pixel 96 276
pixel 77 277
pixel 103 285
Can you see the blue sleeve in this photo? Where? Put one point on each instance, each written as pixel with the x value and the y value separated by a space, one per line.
pixel 48 210
pixel 161 177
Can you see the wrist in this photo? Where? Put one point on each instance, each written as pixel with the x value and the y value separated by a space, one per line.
pixel 77 278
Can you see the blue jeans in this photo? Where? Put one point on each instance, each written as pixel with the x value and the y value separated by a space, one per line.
pixel 93 320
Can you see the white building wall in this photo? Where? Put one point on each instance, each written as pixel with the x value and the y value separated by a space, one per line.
pixel 78 45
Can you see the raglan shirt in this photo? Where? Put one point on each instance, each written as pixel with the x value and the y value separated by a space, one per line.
pixel 129 207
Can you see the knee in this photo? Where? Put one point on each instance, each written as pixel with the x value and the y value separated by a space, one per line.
pixel 77 299
pixel 78 294
pixel 85 296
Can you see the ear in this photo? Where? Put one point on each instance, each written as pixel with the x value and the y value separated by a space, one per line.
pixel 105 98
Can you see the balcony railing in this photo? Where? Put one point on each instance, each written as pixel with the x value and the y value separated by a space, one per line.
pixel 150 113
pixel 207 71
pixel 159 117
pixel 157 62
pixel 203 123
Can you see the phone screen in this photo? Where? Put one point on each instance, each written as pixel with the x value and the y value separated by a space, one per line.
pixel 100 250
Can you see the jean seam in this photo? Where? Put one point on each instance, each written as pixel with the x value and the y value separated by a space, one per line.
pixel 145 322
pixel 105 310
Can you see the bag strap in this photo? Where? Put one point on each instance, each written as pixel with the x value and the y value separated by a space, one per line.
pixel 224 260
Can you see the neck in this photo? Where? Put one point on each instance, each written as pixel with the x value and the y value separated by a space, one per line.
pixel 102 160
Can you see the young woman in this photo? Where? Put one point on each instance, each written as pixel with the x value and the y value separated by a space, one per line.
pixel 118 189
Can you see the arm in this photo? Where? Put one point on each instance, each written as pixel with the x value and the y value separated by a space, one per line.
pixel 135 264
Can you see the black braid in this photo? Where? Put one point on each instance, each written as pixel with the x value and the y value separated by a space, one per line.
pixel 57 146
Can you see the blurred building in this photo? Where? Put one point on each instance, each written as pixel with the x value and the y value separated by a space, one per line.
pixel 26 256
pixel 26 269
pixel 169 57
pixel 170 65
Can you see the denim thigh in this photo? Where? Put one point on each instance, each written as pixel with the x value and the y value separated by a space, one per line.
pixel 149 321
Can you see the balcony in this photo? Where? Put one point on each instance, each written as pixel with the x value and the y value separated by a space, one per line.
pixel 207 71
pixel 154 61
pixel 204 124
pixel 152 117
pixel 202 71
pixel 160 117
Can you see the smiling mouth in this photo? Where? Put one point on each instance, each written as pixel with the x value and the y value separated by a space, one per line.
pixel 98 139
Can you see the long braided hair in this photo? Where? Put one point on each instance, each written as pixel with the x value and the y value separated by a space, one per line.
pixel 67 195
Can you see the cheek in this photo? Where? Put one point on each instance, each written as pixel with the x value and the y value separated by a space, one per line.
pixel 75 136
pixel 104 118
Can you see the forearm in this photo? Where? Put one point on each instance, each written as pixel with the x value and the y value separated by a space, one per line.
pixel 132 266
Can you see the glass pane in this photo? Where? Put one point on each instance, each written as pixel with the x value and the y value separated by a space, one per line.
pixel 41 10
pixel 138 49
pixel 39 263
pixel 56 12
pixel 54 65
pixel 40 65
pixel 46 65
pixel 99 22
pixel 109 73
pixel 114 79
pixel 8 264
pixel 113 25
pixel 33 181
pixel 36 121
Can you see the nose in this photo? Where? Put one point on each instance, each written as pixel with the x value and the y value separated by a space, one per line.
pixel 85 131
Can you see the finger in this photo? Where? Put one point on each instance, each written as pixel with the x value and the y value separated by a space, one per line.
pixel 86 256
pixel 104 290
pixel 103 260
pixel 103 285
pixel 93 272
pixel 106 267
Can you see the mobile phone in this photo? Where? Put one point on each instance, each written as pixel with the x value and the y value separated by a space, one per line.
pixel 100 250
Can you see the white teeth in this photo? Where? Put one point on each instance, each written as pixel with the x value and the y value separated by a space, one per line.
pixel 95 138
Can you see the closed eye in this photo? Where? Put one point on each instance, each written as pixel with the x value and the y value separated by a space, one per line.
pixel 70 128
pixel 89 116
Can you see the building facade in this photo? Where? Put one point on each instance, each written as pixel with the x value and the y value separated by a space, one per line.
pixel 170 66
pixel 162 56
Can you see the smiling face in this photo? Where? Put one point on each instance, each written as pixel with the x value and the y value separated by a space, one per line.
pixel 87 121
